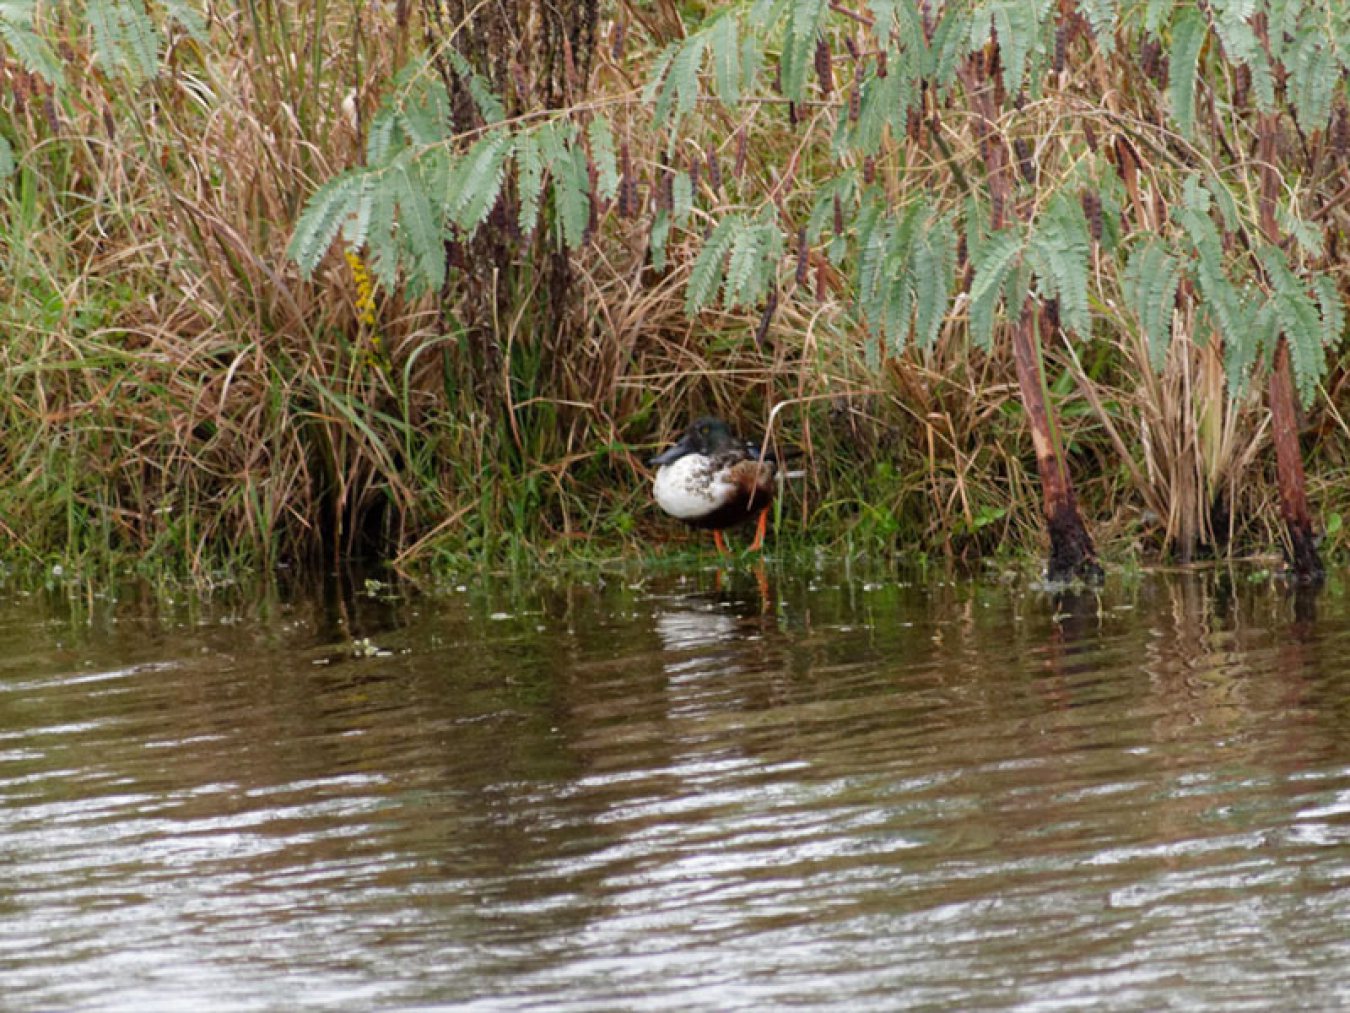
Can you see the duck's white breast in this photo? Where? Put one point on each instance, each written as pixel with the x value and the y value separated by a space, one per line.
pixel 688 488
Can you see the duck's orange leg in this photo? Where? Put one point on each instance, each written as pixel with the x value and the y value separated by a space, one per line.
pixel 760 528
pixel 721 545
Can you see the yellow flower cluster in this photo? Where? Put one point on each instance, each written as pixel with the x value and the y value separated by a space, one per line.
pixel 365 310
pixel 365 288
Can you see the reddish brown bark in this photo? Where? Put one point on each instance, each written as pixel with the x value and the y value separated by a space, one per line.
pixel 1072 554
pixel 1071 551
pixel 1304 562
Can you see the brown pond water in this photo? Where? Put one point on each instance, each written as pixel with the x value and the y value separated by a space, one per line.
pixel 664 792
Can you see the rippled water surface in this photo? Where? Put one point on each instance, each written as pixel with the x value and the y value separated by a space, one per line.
pixel 708 791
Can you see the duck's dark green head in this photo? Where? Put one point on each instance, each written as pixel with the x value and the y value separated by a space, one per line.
pixel 705 436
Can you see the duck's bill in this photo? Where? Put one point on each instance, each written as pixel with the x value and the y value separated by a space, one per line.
pixel 671 454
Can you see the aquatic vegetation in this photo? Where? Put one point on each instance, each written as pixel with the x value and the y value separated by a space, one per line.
pixel 282 286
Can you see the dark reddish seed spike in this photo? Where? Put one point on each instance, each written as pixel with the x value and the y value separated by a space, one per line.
pixel 1052 313
pixel 695 163
pixel 1089 135
pixel 667 202
pixel 49 111
pixel 1061 42
pixel 714 169
pixel 851 46
pixel 1092 210
pixel 881 64
pixel 738 169
pixel 1149 51
pixel 792 113
pixel 838 216
pixel 869 170
pixel 1242 85
pixel 766 318
pixel 593 222
pixel 1340 133
pixel 855 94
pixel 616 40
pixel 824 67
pixel 1025 164
pixel 803 256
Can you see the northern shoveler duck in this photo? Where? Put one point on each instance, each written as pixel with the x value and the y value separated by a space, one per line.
pixel 711 479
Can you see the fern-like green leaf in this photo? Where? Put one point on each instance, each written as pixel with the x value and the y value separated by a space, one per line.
pixel 724 40
pixel 1016 26
pixel 425 113
pixel 884 19
pixel 1332 309
pixel 356 225
pixel 322 218
pixel 1155 13
pixel 741 265
pixel 682 197
pixel 895 277
pixel 384 135
pixel 885 100
pixel 752 60
pixel 898 309
pixel 799 45
pixel 384 253
pixel 1150 283
pixel 660 68
pixel 1222 300
pixel 420 228
pixel 572 197
pixel 529 180
pixel 31 49
pixel 1313 76
pixel 1242 45
pixel 1188 36
pixel 656 243
pixel 126 41
pixel 188 17
pixel 934 275
pixel 950 44
pixel 7 165
pixel 1261 331
pixel 489 105
pixel 873 228
pixel 710 265
pixel 1101 15
pixel 680 90
pixel 477 181
pixel 1299 320
pixel 1306 233
pixel 602 153
pixel 1063 248
pixel 999 254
